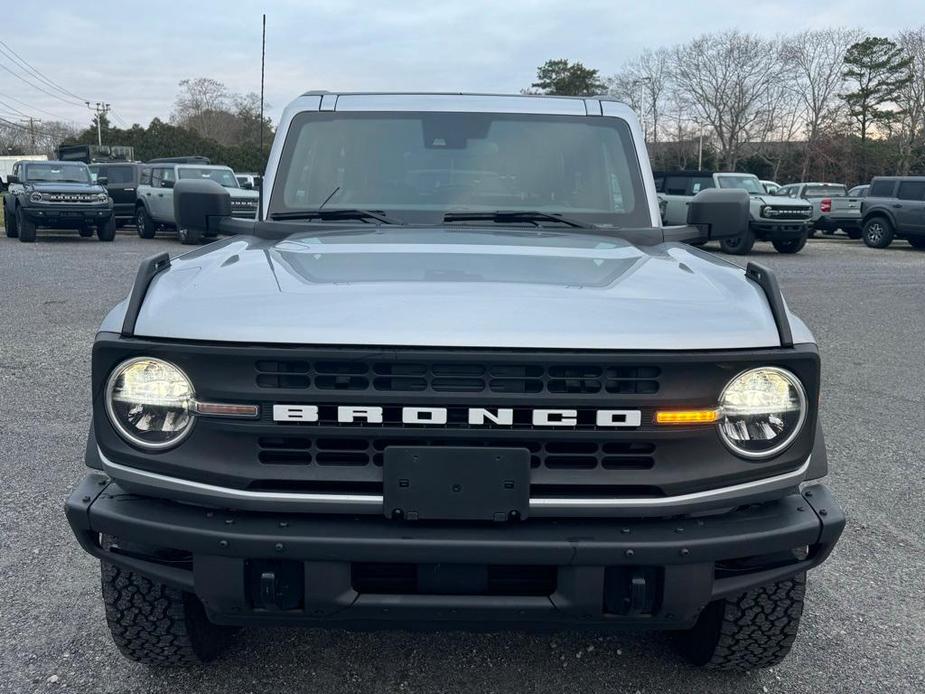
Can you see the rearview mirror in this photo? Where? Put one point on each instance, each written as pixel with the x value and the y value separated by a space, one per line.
pixel 720 213
pixel 200 204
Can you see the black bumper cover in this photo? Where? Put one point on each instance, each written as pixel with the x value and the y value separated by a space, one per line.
pixel 67 215
pixel 661 572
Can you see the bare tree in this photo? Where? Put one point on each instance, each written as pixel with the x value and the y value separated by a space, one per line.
pixel 202 105
pixel 814 63
pixel 909 127
pixel 728 77
pixel 644 83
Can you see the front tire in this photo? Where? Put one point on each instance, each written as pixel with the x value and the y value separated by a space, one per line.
pixel 753 630
pixel 878 232
pixel 189 237
pixel 789 245
pixel 738 245
pixel 143 223
pixel 12 231
pixel 155 624
pixel 107 230
pixel 25 227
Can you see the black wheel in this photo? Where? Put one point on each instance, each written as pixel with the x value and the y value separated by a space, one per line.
pixel 86 232
pixel 143 223
pixel 25 227
pixel 107 230
pixel 190 237
pixel 738 245
pixel 878 232
pixel 155 624
pixel 916 241
pixel 853 232
pixel 789 245
pixel 9 220
pixel 753 630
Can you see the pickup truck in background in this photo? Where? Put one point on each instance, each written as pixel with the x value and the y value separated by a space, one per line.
pixel 786 224
pixel 833 208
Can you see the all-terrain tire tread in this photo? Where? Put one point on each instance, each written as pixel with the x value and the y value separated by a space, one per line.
pixel 151 623
pixel 758 628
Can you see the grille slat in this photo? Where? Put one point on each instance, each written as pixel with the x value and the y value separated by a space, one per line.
pixel 421 376
pixel 550 454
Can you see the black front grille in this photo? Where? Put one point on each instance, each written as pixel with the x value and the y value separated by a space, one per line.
pixel 552 454
pixel 327 456
pixel 777 212
pixel 458 377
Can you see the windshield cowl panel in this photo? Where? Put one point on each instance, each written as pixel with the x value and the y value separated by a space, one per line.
pixel 422 166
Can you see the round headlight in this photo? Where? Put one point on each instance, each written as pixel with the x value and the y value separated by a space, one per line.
pixel 35 197
pixel 761 412
pixel 150 402
pixel 102 197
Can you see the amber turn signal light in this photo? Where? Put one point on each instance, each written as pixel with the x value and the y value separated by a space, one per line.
pixel 686 416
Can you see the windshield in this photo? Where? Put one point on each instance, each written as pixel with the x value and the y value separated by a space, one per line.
pixel 421 166
pixel 749 183
pixel 224 177
pixel 57 173
pixel 825 192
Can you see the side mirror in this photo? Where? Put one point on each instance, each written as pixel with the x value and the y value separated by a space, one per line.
pixel 200 204
pixel 12 179
pixel 720 213
pixel 247 185
pixel 102 181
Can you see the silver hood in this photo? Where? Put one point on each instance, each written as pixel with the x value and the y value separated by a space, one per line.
pixel 457 288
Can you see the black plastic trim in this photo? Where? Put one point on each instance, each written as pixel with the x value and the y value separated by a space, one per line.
pixel 765 278
pixel 146 272
pixel 220 542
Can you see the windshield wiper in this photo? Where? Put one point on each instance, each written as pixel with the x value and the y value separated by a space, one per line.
pixel 503 216
pixel 335 214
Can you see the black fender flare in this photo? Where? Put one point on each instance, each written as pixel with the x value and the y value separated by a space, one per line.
pixel 878 212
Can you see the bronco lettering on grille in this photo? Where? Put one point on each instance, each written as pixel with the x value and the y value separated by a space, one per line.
pixel 437 416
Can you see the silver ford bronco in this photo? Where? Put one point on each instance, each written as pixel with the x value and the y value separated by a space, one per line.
pixel 455 374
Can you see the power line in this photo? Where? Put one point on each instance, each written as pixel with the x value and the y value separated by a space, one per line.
pixel 23 62
pixel 35 86
pixel 38 131
pixel 13 109
pixel 35 108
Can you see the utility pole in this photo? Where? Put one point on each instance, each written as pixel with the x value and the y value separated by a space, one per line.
pixel 32 123
pixel 700 150
pixel 100 109
pixel 263 55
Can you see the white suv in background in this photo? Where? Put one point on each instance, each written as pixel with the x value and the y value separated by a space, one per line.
pixel 154 203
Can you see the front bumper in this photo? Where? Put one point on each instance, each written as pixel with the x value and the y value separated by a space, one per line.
pixel 773 230
pixel 833 223
pixel 299 568
pixel 66 216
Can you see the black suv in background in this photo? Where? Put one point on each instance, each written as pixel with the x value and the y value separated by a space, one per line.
pixel 122 182
pixel 57 195
pixel 894 208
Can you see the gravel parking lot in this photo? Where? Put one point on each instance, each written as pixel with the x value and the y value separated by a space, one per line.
pixel 863 629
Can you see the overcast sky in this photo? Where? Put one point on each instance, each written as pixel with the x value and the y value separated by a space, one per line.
pixel 104 50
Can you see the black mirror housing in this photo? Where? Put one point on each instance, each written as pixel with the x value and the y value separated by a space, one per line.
pixel 200 204
pixel 722 214
pixel 102 181
pixel 12 179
